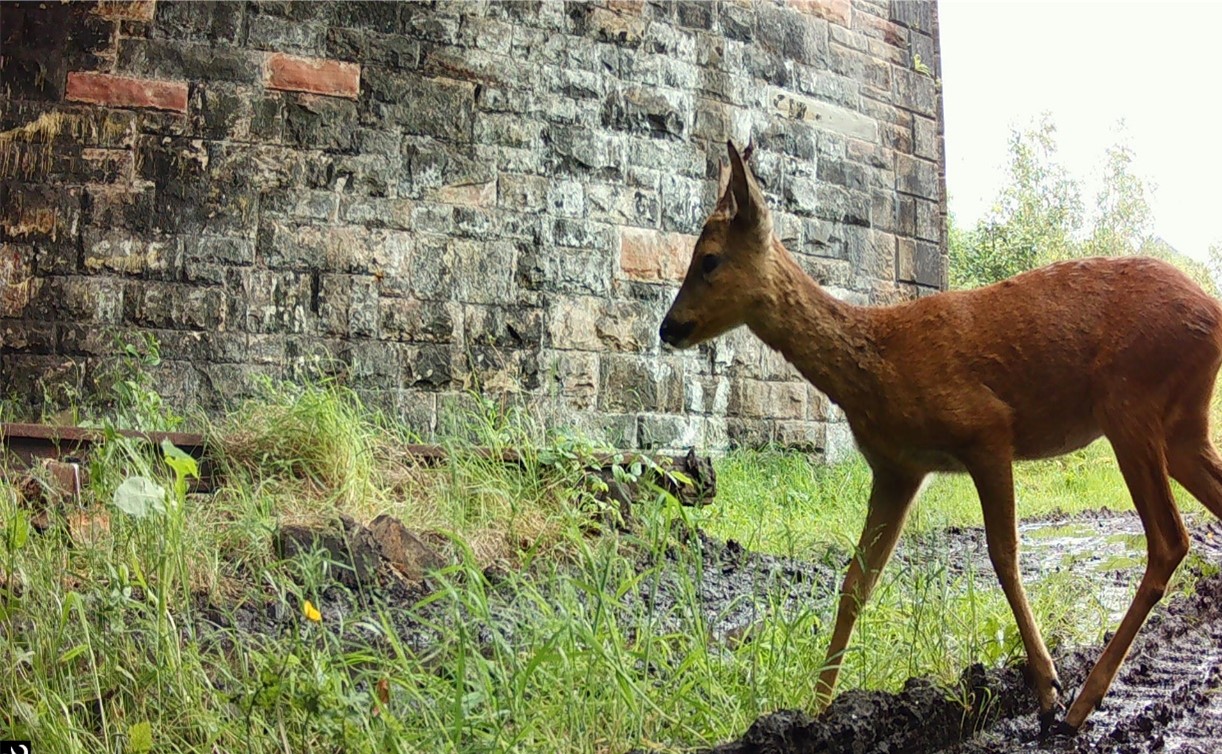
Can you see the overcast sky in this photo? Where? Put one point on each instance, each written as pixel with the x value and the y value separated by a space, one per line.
pixel 1157 65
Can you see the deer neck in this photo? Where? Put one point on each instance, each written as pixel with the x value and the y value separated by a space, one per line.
pixel 828 340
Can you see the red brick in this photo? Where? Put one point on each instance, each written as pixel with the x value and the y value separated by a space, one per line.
pixel 836 11
pixel 121 91
pixel 652 255
pixel 127 10
pixel 332 78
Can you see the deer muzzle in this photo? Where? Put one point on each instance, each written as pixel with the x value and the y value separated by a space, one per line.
pixel 675 333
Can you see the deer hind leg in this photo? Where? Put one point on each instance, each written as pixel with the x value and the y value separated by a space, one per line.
pixel 1193 460
pixel 890 499
pixel 1142 462
pixel 994 482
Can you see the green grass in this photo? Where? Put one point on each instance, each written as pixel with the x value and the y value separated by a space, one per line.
pixel 104 648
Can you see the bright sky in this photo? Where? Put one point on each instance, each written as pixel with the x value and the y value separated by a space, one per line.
pixel 1157 65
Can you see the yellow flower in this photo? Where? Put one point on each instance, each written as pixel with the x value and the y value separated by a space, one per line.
pixel 311 612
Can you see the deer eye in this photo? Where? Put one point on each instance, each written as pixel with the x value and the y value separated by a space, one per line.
pixel 709 262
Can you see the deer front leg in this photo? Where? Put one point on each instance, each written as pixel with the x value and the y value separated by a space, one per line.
pixel 890 499
pixel 995 485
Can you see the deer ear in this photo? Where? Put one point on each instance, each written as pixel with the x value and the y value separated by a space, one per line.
pixel 725 198
pixel 751 209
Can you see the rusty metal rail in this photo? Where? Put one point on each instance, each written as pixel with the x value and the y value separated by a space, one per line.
pixel 29 444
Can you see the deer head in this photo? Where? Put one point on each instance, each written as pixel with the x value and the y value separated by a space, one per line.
pixel 728 274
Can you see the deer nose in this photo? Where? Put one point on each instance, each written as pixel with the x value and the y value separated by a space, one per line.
pixel 673 333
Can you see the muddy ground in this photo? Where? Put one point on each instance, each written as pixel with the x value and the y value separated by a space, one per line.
pixel 1167 698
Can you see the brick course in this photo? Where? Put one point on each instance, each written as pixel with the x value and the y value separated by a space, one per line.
pixel 124 91
pixel 331 78
pixel 439 198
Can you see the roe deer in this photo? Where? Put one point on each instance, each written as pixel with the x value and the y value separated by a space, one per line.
pixel 969 381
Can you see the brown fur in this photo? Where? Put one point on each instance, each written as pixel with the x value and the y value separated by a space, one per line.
pixel 1031 367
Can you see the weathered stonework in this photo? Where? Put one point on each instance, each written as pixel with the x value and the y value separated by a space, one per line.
pixel 440 198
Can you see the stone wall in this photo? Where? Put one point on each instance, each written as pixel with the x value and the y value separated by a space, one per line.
pixel 442 198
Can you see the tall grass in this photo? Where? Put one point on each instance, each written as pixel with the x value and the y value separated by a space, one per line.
pixel 185 632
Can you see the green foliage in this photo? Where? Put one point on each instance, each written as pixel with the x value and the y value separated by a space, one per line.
pixel 1123 215
pixel 1036 217
pixel 1039 216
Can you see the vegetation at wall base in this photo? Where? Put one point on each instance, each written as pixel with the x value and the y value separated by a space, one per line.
pixel 153 619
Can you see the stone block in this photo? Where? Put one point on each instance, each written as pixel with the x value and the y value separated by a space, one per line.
pixel 441 108
pixel 126 253
pixel 657 112
pixel 573 377
pixel 413 321
pixel 916 91
pixel 654 256
pixel 483 272
pixel 277 302
pixel 428 367
pixel 750 433
pixel 917 177
pixel 756 399
pixel 837 11
pixel 929 221
pixel 577 150
pixel 367 14
pixel 91 300
pixel 631 383
pixel 267 32
pixel 556 269
pixel 377 211
pixel 504 327
pixel 823 115
pixel 320 123
pixel 523 193
pixel 839 444
pixel 669 432
pixel 174 306
pixel 706 395
pixel 392 51
pixel 622 205
pixel 686 204
pixel 594 238
pixel 925 138
pixel 798 37
pixel 807 436
pixel 348 305
pixel 184 62
pixel 206 21
pixel 606 25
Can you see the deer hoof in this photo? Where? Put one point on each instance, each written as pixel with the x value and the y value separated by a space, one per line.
pixel 1053 727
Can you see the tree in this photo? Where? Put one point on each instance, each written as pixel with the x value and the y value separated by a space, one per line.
pixel 1036 218
pixel 1122 219
pixel 1213 260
